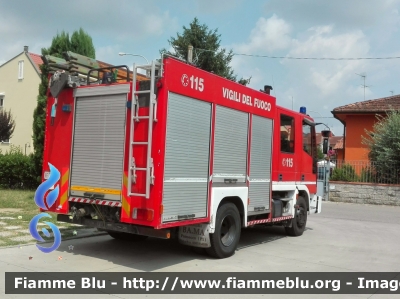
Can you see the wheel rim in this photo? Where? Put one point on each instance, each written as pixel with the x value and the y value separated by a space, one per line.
pixel 228 229
pixel 301 217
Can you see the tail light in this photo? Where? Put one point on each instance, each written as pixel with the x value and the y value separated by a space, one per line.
pixel 143 214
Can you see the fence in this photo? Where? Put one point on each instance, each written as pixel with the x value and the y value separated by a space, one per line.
pixel 365 172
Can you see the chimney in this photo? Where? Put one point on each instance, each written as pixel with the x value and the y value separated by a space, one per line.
pixel 26 48
pixel 267 89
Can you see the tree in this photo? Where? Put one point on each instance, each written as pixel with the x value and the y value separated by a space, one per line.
pixel 7 125
pixel 81 43
pixel 383 143
pixel 320 154
pixel 208 54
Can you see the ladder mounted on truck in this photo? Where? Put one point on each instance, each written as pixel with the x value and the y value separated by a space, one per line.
pixel 153 69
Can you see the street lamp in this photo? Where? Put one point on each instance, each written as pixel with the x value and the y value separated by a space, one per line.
pixel 315 112
pixel 321 117
pixel 124 54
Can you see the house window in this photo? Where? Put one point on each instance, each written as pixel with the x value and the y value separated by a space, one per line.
pixel 20 69
pixel 287 134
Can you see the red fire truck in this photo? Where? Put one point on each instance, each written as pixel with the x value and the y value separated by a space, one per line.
pixel 178 152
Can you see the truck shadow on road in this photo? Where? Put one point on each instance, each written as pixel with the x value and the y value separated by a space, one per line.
pixel 155 254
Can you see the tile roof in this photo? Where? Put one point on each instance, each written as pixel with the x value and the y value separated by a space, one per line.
pixel 122 72
pixel 339 144
pixel 371 106
pixel 36 60
pixel 332 140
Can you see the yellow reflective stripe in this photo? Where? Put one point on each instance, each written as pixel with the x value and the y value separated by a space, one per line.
pixel 125 206
pixel 64 178
pixel 97 190
pixel 64 198
pixel 125 181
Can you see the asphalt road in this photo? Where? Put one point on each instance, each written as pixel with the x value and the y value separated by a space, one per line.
pixel 343 238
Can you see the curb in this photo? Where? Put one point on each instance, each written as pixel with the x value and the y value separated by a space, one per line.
pixel 66 239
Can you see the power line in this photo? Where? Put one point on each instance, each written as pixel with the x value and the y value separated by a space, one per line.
pixel 304 58
pixel 317 58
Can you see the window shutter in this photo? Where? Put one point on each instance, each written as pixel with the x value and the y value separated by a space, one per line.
pixel 20 69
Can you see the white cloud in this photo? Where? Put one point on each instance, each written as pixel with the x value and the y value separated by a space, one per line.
pixel 155 24
pixel 104 53
pixel 126 23
pixel 343 14
pixel 268 35
pixel 328 77
pixel 318 85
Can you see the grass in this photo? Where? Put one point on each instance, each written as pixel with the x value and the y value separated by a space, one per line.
pixel 20 205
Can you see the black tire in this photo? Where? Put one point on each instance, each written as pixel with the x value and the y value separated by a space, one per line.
pixel 126 236
pixel 300 219
pixel 226 237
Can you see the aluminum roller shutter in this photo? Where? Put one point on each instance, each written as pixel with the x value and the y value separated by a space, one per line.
pixel 260 163
pixel 186 159
pixel 98 145
pixel 230 145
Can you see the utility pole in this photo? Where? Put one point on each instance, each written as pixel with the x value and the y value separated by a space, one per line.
pixel 391 91
pixel 363 85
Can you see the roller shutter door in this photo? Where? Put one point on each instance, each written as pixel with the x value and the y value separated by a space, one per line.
pixel 260 163
pixel 98 146
pixel 187 154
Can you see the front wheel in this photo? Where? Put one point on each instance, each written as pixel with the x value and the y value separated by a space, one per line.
pixel 226 237
pixel 300 219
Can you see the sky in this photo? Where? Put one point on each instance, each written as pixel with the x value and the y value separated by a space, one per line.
pixel 280 28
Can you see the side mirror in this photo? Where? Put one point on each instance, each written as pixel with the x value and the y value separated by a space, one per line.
pixel 325 146
pixel 325 141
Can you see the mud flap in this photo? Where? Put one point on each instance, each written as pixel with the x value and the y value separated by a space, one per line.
pixel 315 204
pixel 197 235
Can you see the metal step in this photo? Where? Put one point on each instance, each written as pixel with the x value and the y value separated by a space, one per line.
pixel 142 91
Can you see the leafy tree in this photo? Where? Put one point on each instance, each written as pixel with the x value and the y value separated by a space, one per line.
pixel 383 143
pixel 320 154
pixel 81 43
pixel 207 52
pixel 7 125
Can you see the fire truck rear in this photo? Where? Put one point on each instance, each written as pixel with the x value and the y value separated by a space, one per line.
pixel 173 151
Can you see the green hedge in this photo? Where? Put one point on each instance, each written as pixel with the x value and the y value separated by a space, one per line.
pixel 17 170
pixel 346 173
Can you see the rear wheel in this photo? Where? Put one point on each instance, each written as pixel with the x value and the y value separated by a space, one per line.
pixel 300 219
pixel 126 236
pixel 225 239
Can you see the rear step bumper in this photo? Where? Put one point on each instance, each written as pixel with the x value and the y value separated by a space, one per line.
pixel 119 227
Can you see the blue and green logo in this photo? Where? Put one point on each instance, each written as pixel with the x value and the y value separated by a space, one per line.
pixel 45 202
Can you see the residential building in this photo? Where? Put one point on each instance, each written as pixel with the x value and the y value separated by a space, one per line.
pixel 338 148
pixel 359 117
pixel 19 83
pixel 19 87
